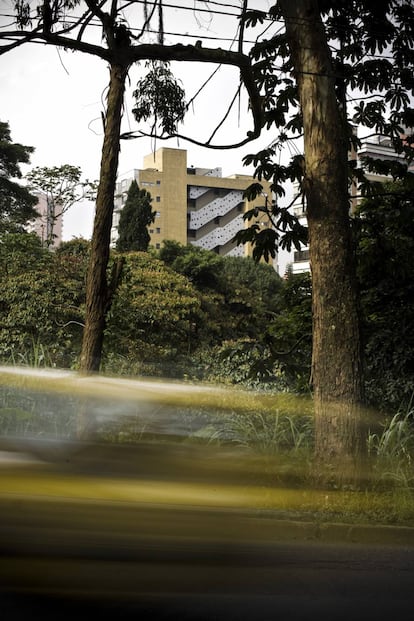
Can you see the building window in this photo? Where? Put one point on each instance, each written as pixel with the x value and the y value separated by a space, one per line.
pixel 158 246
pixel 158 230
pixel 158 198
pixel 151 231
pixel 158 182
pixel 157 214
pixel 301 255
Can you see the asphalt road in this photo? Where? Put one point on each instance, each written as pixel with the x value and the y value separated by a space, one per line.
pixel 76 560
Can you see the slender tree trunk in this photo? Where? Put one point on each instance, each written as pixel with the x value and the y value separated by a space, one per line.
pixel 336 355
pixel 97 289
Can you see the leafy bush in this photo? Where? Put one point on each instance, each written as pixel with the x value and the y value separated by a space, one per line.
pixel 243 362
pixel 152 314
pixel 41 303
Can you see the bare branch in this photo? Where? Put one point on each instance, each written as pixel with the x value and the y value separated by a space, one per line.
pixel 96 10
pixel 222 147
pixel 114 9
pixel 36 36
pixel 147 20
pixel 242 24
pixel 11 46
pixel 210 77
pixel 225 116
pixel 108 22
pixel 85 20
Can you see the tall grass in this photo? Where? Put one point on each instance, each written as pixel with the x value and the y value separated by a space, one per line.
pixel 268 432
pixel 36 356
pixel 393 451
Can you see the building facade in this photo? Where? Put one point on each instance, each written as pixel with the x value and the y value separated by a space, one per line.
pixel 378 147
pixel 192 205
pixel 48 226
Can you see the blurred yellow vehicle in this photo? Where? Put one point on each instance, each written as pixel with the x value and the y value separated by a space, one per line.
pixel 120 499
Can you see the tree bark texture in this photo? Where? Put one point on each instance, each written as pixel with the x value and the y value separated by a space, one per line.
pixel 336 354
pixel 97 288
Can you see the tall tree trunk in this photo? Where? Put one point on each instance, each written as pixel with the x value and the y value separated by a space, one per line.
pixel 97 289
pixel 336 355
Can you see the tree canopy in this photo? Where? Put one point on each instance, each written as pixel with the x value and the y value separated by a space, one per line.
pixel 62 187
pixel 16 202
pixel 371 55
pixel 136 215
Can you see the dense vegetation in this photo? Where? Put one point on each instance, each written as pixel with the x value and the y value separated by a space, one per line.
pixel 385 232
pixel 184 312
pixel 187 312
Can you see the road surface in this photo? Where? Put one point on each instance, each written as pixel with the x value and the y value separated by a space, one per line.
pixel 81 560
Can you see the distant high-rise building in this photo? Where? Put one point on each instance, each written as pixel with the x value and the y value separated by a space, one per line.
pixel 192 205
pixel 49 224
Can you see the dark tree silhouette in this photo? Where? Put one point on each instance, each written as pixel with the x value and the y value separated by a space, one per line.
pixel 16 202
pixel 136 216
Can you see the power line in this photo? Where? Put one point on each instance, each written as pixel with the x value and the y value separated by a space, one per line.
pixel 180 8
pixel 193 9
pixel 96 23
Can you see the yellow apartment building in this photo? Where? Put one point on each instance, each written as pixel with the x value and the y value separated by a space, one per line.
pixel 192 205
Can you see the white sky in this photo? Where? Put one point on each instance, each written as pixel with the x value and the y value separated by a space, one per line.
pixel 53 101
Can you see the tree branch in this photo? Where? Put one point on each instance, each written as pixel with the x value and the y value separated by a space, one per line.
pixel 225 116
pixel 96 10
pixel 54 39
pixel 199 143
pixel 86 21
pixel 242 24
pixel 129 54
pixel 191 53
pixel 114 9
